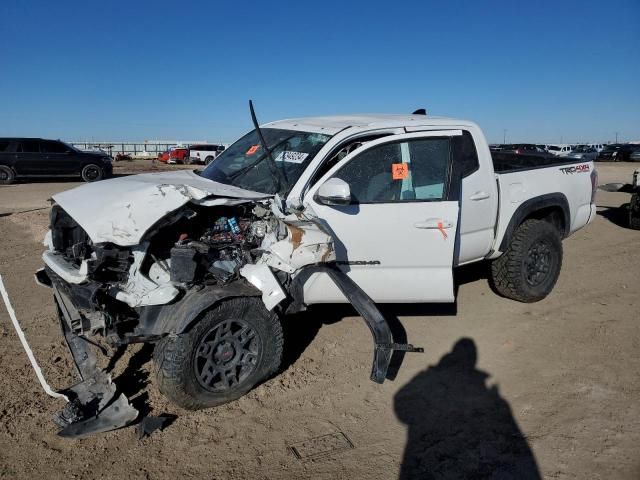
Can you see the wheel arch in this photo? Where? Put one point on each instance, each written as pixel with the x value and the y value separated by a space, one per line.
pixel 182 315
pixel 551 207
pixel 12 174
pixel 10 167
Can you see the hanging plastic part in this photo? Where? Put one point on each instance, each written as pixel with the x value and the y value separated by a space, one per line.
pixel 384 346
pixel 94 405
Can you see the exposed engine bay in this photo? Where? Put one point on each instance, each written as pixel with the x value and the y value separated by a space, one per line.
pixel 195 247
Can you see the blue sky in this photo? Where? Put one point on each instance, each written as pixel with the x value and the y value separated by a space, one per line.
pixel 546 71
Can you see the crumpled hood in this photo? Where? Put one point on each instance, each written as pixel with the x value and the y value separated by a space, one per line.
pixel 122 210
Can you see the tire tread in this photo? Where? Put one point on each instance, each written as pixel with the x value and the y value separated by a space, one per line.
pixel 506 270
pixel 172 355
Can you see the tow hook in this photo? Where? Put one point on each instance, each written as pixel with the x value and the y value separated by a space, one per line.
pixel 384 345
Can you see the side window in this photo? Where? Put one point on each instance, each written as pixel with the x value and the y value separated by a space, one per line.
pixel 4 146
pixel 29 146
pixel 415 170
pixel 48 146
pixel 465 155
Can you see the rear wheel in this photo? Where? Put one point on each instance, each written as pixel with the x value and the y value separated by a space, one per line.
pixel 92 173
pixel 235 346
pixel 528 270
pixel 634 212
pixel 6 175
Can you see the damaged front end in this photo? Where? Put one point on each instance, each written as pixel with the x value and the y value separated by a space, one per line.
pixel 144 271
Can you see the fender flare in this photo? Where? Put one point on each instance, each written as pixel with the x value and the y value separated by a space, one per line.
pixel 179 316
pixel 533 205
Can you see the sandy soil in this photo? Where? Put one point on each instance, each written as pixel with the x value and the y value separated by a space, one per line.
pixel 548 389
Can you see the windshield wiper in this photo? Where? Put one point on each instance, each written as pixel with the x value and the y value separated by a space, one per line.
pixel 244 170
pixel 275 173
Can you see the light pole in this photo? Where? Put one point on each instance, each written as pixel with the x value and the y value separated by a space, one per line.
pixel 616 137
pixel 504 136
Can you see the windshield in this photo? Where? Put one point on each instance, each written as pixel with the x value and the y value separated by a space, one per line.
pixel 245 164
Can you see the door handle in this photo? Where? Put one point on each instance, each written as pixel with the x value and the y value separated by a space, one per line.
pixel 479 196
pixel 434 223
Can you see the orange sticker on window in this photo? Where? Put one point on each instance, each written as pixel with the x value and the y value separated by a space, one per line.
pixel 253 149
pixel 399 171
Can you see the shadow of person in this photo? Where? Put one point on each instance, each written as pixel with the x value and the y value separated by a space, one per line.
pixel 459 427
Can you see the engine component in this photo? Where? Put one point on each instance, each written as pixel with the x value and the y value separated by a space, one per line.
pixel 183 264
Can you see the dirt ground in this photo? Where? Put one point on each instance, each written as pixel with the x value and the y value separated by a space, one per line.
pixel 549 389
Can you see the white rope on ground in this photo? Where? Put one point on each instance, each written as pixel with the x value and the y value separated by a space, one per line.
pixel 25 345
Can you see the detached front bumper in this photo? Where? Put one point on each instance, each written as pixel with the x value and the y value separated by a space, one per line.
pixel 94 404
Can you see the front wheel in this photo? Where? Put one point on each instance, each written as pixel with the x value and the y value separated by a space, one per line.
pixel 528 270
pixel 92 173
pixel 208 160
pixel 236 345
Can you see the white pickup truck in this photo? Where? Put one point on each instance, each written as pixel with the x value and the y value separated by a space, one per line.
pixel 361 209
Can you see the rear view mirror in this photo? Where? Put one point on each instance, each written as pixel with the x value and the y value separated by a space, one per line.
pixel 334 192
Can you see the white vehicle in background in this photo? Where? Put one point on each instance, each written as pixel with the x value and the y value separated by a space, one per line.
pixel 204 153
pixel 583 152
pixel 597 146
pixel 560 150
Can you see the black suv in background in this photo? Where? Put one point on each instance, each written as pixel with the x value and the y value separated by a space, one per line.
pixel 617 152
pixel 37 157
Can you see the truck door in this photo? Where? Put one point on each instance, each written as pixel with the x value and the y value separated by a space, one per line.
pixel 397 237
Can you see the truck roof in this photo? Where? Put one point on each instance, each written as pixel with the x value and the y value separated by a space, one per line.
pixel 333 124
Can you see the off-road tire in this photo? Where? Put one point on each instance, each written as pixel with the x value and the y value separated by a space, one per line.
pixel 510 273
pixel 6 175
pixel 92 173
pixel 176 357
pixel 634 212
pixel 208 160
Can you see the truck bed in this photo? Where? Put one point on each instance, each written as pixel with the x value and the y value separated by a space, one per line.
pixel 513 162
pixel 542 180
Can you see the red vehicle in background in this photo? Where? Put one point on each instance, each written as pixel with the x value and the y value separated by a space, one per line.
pixel 174 155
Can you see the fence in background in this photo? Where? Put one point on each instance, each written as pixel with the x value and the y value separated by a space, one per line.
pixel 152 148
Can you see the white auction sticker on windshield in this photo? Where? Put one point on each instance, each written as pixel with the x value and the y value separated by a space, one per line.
pixel 291 157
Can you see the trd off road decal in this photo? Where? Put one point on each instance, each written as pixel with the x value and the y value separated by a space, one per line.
pixel 575 169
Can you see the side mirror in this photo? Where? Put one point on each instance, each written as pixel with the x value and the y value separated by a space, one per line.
pixel 334 192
